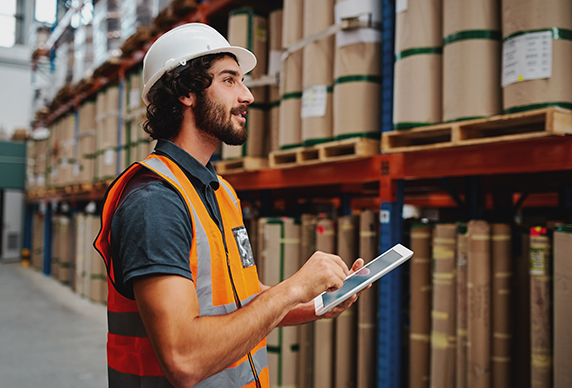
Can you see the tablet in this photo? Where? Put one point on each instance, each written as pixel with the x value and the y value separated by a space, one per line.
pixel 357 281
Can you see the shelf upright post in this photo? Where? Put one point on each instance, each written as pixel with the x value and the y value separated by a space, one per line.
pixel 121 86
pixel 390 318
pixel 48 224
pixel 390 307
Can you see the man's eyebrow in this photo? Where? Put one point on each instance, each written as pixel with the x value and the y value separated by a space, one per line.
pixel 229 71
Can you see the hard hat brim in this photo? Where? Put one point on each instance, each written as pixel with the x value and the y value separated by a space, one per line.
pixel 246 61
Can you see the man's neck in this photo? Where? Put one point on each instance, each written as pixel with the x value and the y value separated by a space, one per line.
pixel 198 144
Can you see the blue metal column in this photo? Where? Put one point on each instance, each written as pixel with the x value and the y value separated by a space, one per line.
pixel 48 239
pixel 390 313
pixel 390 309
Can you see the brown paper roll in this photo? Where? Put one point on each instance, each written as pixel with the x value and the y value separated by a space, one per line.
pixel 249 30
pixel 324 328
pixel 443 314
pixel 540 309
pixel 462 310
pixel 479 304
pixel 420 306
pixel 318 67
pixel 562 307
pixel 306 331
pixel 534 15
pixel 471 67
pixel 419 25
pixel 502 299
pixel 367 304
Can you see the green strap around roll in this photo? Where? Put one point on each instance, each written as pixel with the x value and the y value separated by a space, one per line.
pixel 472 34
pixel 524 108
pixel 409 125
pixel 418 51
pixel 557 33
pixel 358 78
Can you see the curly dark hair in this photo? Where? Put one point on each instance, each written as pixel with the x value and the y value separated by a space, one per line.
pixel 165 111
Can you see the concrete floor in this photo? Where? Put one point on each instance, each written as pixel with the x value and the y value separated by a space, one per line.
pixel 49 336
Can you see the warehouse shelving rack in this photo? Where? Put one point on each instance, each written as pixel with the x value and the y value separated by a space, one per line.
pixel 475 179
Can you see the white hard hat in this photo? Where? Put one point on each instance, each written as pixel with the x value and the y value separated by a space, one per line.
pixel 186 42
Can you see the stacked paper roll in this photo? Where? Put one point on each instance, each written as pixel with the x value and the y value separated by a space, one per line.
pixel 367 304
pixel 86 142
pixel 537 54
pixel 306 331
pixel 502 306
pixel 471 59
pixel 462 307
pixel 324 328
pixel 479 304
pixel 443 314
pixel 346 323
pixel 420 306
pixel 274 68
pixel 357 72
pixel 317 74
pixel 540 308
pixel 418 64
pixel 282 247
pixel 290 134
pixel 249 30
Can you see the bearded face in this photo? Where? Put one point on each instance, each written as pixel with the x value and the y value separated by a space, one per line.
pixel 218 121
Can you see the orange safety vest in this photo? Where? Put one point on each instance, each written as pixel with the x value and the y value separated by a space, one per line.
pixel 223 280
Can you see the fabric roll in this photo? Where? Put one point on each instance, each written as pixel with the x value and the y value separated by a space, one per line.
pixel 471 59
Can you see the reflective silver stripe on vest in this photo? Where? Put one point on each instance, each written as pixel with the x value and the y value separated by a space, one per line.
pixel 203 282
pixel 117 379
pixel 230 193
pixel 126 324
pixel 241 374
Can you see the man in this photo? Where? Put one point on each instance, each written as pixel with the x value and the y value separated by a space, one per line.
pixel 185 305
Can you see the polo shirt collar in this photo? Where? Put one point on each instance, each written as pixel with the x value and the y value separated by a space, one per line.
pixel 205 174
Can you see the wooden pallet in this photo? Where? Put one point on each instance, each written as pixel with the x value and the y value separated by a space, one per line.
pixel 511 127
pixel 247 163
pixel 325 152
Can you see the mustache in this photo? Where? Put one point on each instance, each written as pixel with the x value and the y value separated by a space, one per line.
pixel 242 108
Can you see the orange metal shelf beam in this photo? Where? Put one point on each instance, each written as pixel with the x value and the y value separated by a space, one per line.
pixel 548 154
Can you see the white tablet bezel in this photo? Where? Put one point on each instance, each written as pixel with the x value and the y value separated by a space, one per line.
pixel 400 249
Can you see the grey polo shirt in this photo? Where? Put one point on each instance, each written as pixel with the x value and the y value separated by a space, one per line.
pixel 151 230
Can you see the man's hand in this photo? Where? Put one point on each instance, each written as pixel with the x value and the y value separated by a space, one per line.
pixel 333 313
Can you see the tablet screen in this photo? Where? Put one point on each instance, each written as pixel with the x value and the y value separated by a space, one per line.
pixel 367 272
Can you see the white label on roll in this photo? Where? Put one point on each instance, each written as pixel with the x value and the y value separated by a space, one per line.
pixel 108 157
pixel 400 6
pixel 134 98
pixel 75 170
pixel 527 57
pixel 367 11
pixel 274 62
pixel 314 100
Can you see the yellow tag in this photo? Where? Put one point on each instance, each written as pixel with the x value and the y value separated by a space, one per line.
pixel 520 78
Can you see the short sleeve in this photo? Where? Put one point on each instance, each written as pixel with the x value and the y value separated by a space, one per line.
pixel 151 233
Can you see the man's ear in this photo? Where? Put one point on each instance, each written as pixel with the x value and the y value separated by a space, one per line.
pixel 188 100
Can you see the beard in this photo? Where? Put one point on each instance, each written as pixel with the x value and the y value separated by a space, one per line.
pixel 214 120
